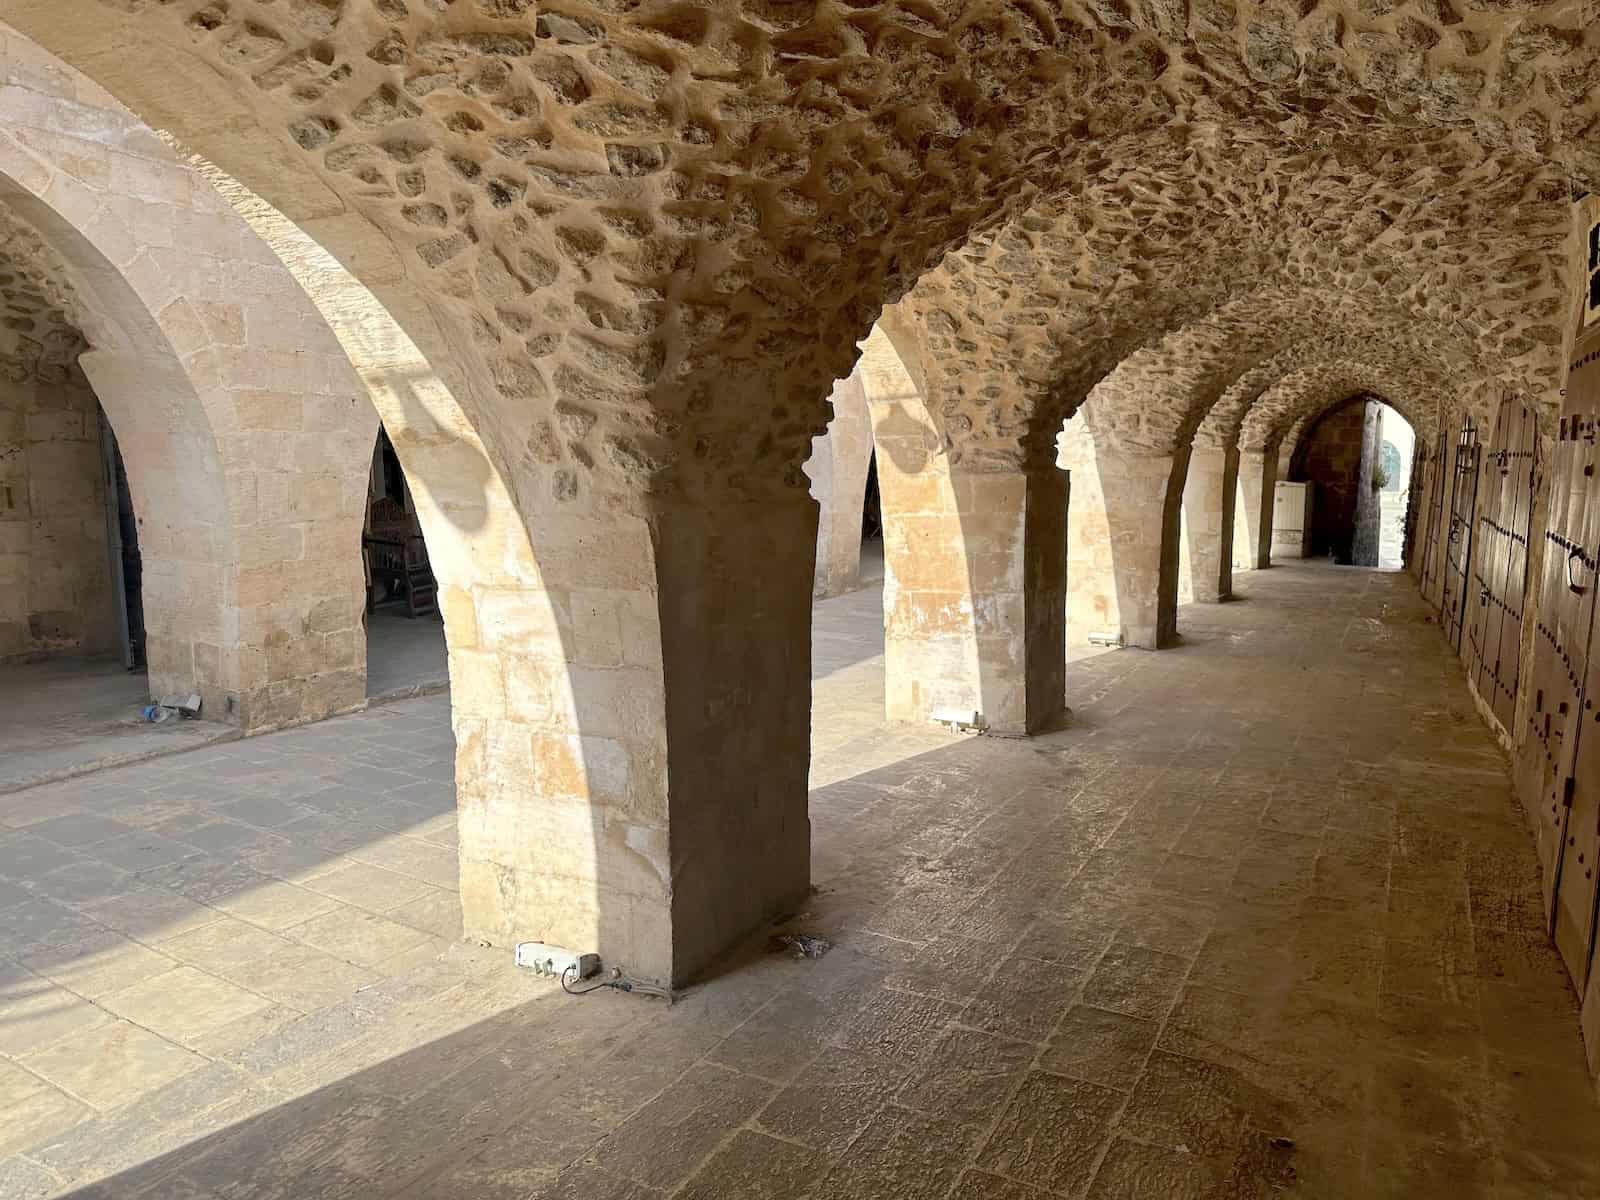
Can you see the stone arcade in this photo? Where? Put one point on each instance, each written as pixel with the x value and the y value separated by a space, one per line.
pixel 650 300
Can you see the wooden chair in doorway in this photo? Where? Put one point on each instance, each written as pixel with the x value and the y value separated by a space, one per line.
pixel 397 560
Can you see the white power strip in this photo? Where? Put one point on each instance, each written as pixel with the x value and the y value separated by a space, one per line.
pixel 555 961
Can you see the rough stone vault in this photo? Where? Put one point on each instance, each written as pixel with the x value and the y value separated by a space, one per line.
pixel 599 268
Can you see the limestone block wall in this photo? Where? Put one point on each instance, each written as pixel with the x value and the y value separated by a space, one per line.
pixel 244 431
pixel 55 581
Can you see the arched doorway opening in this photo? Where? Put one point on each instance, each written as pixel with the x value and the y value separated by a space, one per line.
pixel 74 650
pixel 200 443
pixel 1337 479
pixel 68 549
pixel 872 528
pixel 406 653
pixel 843 478
pixel 1396 453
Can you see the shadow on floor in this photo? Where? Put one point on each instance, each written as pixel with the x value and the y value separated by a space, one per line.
pixel 1265 921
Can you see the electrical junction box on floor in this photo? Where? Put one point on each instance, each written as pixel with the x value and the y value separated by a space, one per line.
pixel 556 962
pixel 958 718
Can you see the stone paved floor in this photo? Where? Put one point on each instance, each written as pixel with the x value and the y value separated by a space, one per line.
pixel 65 716
pixel 1262 922
pixel 68 716
pixel 405 655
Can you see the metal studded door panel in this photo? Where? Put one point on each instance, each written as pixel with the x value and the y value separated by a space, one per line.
pixel 1574 916
pixel 1493 535
pixel 1458 541
pixel 1494 623
pixel 1432 555
pixel 1560 645
pixel 1481 620
pixel 1523 469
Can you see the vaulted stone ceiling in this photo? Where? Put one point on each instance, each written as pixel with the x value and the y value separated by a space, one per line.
pixel 1396 367
pixel 1189 270
pixel 1303 394
pixel 40 339
pixel 1163 393
pixel 656 230
pixel 1406 365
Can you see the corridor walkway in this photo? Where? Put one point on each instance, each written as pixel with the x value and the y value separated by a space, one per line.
pixel 69 716
pixel 1261 922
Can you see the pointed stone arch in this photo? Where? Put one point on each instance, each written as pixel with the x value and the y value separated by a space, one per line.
pixel 201 352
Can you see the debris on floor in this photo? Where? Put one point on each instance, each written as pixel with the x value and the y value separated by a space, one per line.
pixel 187 707
pixel 802 945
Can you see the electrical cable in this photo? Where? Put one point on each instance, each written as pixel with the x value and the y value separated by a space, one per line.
pixel 617 981
pixel 594 987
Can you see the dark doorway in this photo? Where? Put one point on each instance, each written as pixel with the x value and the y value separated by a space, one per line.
pixel 871 507
pixel 405 634
pixel 1341 456
pixel 871 527
pixel 122 538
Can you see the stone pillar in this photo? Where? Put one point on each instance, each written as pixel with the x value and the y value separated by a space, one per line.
pixel 1252 542
pixel 1185 576
pixel 1208 510
pixel 974 582
pixel 734 583
pixel 837 469
pixel 629 675
pixel 1143 500
pixel 252 572
pixel 1093 605
pixel 1284 455
pixel 1046 504
pixel 190 563
pixel 632 725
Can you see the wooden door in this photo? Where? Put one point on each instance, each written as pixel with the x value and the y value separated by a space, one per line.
pixel 1522 468
pixel 1458 542
pixel 1432 556
pixel 1575 882
pixel 1481 620
pixel 1560 644
pixel 1494 604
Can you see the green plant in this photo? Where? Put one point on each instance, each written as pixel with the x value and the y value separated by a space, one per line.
pixel 1380 477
